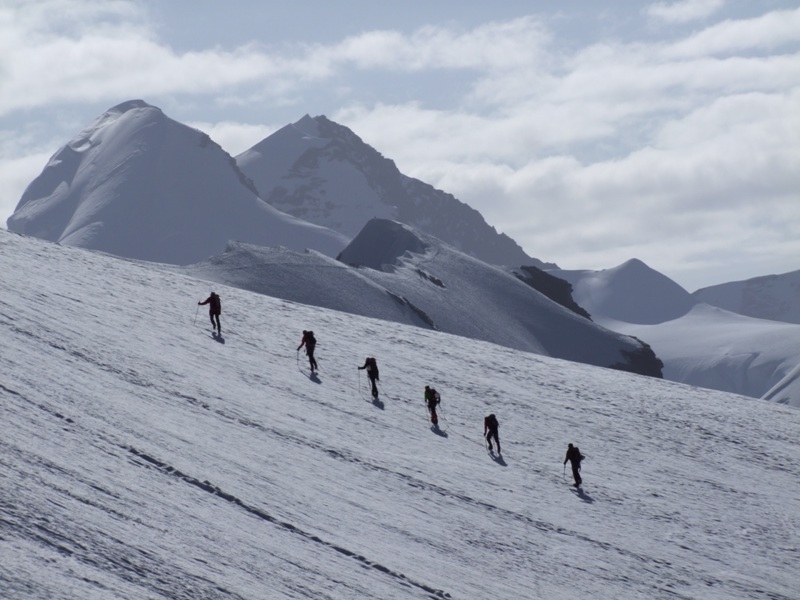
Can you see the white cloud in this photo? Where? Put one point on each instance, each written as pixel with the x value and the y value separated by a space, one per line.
pixel 767 32
pixel 593 153
pixel 234 138
pixel 15 175
pixel 684 11
pixel 499 45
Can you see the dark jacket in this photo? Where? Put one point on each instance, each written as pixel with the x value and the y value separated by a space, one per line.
pixel 309 341
pixel 214 304
pixel 432 398
pixel 490 425
pixel 371 365
pixel 574 456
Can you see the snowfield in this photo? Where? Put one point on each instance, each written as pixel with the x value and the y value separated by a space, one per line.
pixel 700 344
pixel 400 274
pixel 143 458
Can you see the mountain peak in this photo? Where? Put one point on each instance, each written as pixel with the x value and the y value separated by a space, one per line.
pixel 321 171
pixel 381 244
pixel 138 184
pixel 134 104
pixel 631 292
pixel 307 126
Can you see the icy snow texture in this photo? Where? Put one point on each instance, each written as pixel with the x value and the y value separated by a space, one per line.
pixel 140 185
pixel 144 459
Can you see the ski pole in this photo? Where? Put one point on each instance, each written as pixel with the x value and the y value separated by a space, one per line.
pixel 194 323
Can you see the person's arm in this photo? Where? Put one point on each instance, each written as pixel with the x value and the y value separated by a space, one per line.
pixel 206 301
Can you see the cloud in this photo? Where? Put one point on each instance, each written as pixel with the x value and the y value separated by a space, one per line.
pixel 15 175
pixel 585 154
pixel 619 151
pixel 498 45
pixel 60 51
pixel 770 31
pixel 684 10
pixel 234 137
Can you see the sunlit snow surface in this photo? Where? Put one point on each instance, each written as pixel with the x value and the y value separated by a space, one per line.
pixel 701 344
pixel 423 282
pixel 143 458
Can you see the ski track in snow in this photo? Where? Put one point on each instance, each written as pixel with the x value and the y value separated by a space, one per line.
pixel 143 458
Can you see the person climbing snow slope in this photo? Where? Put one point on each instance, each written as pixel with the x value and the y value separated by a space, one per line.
pixel 371 365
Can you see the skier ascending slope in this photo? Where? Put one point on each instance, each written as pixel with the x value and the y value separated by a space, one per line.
pixel 490 427
pixel 574 457
pixel 432 399
pixel 214 310
pixel 371 365
pixel 309 341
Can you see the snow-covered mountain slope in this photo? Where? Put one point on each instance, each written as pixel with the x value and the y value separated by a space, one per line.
pixel 411 277
pixel 697 344
pixel 322 172
pixel 630 292
pixel 717 349
pixel 787 390
pixel 142 458
pixel 138 184
pixel 309 278
pixel 774 297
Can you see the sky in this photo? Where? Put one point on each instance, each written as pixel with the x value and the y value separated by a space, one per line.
pixel 591 133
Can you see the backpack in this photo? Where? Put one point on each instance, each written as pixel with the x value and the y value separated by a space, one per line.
pixel 310 339
pixel 372 367
pixel 577 453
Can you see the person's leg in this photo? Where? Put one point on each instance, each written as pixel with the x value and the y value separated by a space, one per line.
pixel 576 473
pixel 434 417
pixel 489 440
pixel 311 361
pixel 219 327
pixel 497 441
pixel 374 388
pixel 213 325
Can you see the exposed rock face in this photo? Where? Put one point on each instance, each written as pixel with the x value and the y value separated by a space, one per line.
pixel 322 172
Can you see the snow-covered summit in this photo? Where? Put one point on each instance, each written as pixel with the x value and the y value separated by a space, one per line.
pixel 631 292
pixel 138 184
pixel 774 297
pixel 323 172
pixel 381 244
pixel 699 344
pixel 714 348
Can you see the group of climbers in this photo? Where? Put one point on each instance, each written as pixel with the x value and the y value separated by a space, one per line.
pixel 432 398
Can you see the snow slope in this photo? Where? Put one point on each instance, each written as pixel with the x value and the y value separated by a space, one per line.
pixel 411 277
pixel 322 172
pixel 699 345
pixel 774 297
pixel 630 292
pixel 143 458
pixel 309 278
pixel 714 348
pixel 138 184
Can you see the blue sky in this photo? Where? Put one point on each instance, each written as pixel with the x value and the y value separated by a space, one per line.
pixel 590 132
